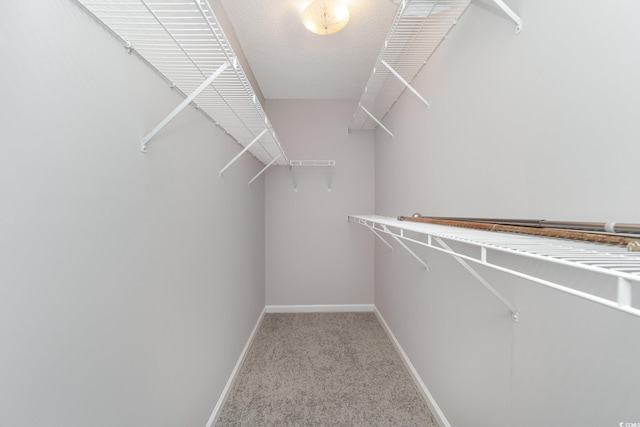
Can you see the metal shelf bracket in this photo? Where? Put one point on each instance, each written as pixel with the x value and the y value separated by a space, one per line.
pixel 293 164
pixel 380 237
pixel 397 239
pixel 514 313
pixel 183 104
pixel 265 168
pixel 374 231
pixel 244 150
pixel 624 292
pixel 406 83
pixel 514 17
pixel 376 120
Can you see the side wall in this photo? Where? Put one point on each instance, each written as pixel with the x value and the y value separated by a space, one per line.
pixel 537 125
pixel 313 255
pixel 129 283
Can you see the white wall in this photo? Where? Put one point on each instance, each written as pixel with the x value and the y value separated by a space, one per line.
pixel 537 125
pixel 129 283
pixel 313 255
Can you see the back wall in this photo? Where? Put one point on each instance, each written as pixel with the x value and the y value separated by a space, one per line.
pixel 313 255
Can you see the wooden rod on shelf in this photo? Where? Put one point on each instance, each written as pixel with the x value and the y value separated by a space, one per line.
pixel 630 242
pixel 598 227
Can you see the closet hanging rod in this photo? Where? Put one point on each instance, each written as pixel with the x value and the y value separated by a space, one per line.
pixel 563 230
pixel 608 227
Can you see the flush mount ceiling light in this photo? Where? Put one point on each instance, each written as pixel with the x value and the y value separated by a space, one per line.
pixel 325 16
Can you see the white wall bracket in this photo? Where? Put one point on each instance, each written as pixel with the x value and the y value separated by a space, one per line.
pixel 183 104
pixel 397 239
pixel 244 150
pixel 265 168
pixel 381 238
pixel 514 17
pixel 328 164
pixel 376 120
pixel 514 313
pixel 624 292
pixel 406 83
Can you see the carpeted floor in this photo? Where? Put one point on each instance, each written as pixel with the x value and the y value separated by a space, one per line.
pixel 324 369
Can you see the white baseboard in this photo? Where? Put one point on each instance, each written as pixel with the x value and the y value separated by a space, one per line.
pixel 232 378
pixel 320 308
pixel 435 409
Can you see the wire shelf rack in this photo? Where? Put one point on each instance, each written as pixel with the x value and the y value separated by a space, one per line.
pixel 326 165
pixel 613 261
pixel 183 41
pixel 417 30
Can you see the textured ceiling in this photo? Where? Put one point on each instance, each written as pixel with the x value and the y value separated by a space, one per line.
pixel 289 62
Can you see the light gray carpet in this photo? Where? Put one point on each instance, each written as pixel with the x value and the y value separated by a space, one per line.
pixel 324 369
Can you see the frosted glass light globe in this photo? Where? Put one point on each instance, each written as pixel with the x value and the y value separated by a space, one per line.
pixel 325 16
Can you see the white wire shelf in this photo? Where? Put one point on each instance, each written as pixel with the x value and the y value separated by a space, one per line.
pixel 325 165
pixel 606 260
pixel 417 30
pixel 182 40
pixel 313 163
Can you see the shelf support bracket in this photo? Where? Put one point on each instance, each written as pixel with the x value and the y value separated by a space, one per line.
pixel 514 313
pixel 295 179
pixel 397 239
pixel 244 150
pixel 294 164
pixel 265 168
pixel 624 292
pixel 183 104
pixel 514 17
pixel 377 121
pixel 381 238
pixel 406 83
